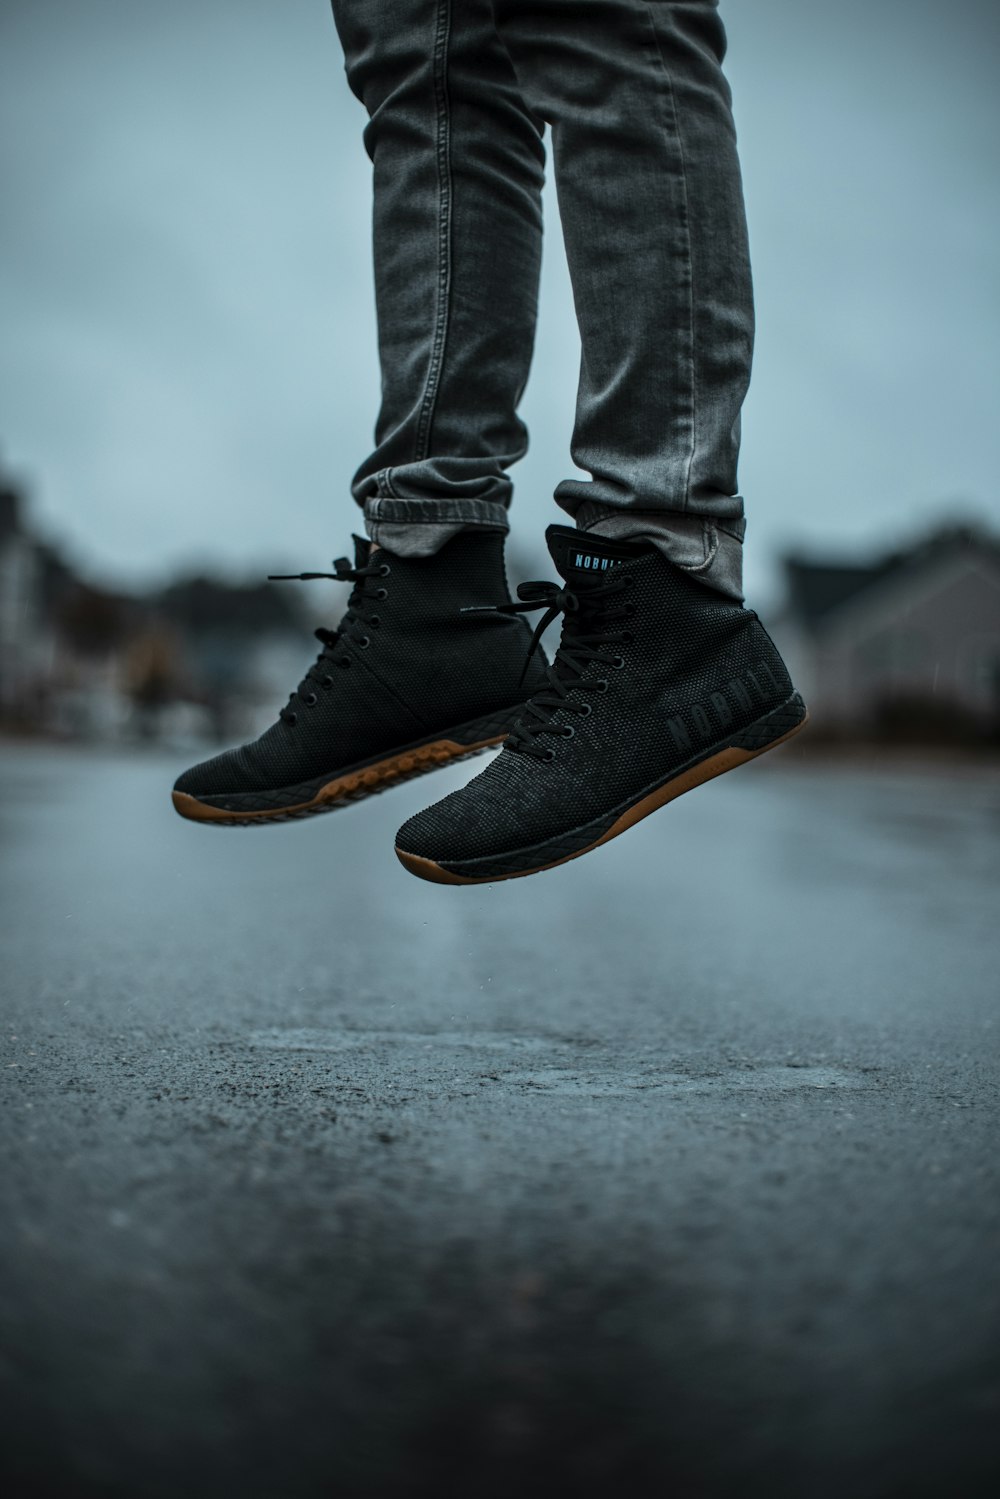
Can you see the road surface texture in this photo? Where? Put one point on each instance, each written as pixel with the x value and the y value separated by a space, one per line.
pixel 669 1172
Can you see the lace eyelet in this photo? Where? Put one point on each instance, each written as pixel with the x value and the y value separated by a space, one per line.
pixel 549 755
pixel 344 662
pixel 381 593
pixel 291 719
pixel 326 681
pixel 568 731
pixel 375 621
pixel 618 662
pixel 384 570
pixel 602 684
pixel 311 700
pixel 365 642
pixel 585 710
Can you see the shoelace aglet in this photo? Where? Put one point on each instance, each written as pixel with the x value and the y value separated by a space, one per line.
pixel 300 577
pixel 343 573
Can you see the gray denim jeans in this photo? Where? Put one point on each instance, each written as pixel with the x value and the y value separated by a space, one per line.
pixel 458 94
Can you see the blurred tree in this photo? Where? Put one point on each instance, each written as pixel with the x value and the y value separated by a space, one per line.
pixel 92 621
pixel 201 605
pixel 152 675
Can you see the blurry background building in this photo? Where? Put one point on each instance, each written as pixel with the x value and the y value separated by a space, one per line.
pixel 201 659
pixel 901 648
pixel 188 369
pixel 905 647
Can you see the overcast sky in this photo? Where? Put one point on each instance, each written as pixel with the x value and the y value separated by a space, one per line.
pixel 187 360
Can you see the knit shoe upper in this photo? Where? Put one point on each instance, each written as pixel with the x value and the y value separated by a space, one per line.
pixel 655 674
pixel 412 676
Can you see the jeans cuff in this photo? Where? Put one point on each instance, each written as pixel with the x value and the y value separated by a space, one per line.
pixel 419 528
pixel 707 548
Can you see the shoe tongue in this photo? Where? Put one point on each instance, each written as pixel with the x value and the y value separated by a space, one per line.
pixel 362 550
pixel 581 556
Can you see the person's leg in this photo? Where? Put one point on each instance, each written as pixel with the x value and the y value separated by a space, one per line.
pixel 662 679
pixel 651 203
pixel 416 674
pixel 458 170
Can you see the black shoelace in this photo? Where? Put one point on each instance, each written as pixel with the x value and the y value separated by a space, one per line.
pixel 592 621
pixel 354 626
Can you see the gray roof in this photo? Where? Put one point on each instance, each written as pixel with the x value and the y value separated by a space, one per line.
pixel 815 589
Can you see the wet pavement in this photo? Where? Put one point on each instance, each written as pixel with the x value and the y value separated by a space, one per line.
pixel 671 1171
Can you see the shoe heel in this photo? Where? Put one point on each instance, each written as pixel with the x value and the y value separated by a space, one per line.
pixel 781 723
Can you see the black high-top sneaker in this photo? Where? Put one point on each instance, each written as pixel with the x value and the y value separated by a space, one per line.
pixel 407 682
pixel 660 683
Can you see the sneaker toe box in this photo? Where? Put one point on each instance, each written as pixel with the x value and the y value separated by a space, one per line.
pixel 222 775
pixel 482 820
pixel 432 833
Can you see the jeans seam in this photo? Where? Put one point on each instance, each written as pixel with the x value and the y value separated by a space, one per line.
pixel 710 547
pixel 686 227
pixel 443 154
pixel 606 512
pixel 383 480
pixel 438 520
pixel 431 512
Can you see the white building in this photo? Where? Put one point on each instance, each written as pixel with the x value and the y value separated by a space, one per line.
pixel 912 637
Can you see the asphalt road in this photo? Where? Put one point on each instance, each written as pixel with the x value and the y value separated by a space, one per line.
pixel 673 1171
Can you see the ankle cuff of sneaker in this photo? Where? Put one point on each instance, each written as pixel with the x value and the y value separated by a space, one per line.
pixel 704 548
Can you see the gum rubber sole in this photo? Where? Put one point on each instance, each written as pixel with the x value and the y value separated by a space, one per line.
pixel 354 785
pixel 687 779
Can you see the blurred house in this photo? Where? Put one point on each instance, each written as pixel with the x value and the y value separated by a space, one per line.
pixel 905 647
pixel 239 648
pixel 201 659
pixel 19 597
pixel 34 584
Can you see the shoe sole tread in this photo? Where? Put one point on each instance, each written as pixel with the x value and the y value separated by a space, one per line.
pixel 403 764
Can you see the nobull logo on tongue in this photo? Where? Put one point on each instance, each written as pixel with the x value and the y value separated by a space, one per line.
pixel 592 562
